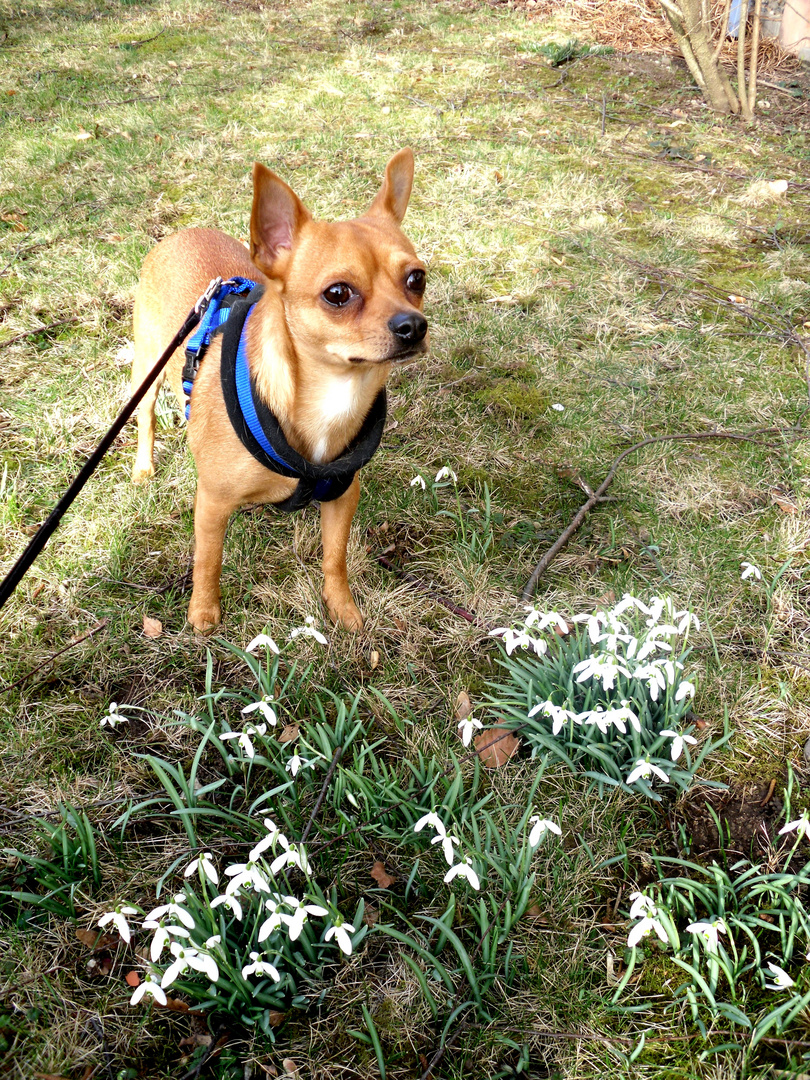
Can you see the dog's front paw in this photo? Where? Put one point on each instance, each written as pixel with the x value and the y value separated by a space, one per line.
pixel 204 617
pixel 343 610
pixel 142 473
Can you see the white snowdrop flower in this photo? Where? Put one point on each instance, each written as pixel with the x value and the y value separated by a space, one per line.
pixel 465 870
pixel 260 967
pixel 603 668
pixel 295 922
pixel 557 714
pixel 445 473
pixel 231 902
pixel 244 737
pixel 750 571
pixel 644 928
pixel 678 742
pixel 685 689
pixel 645 769
pixel 447 841
pixel 265 842
pixel 642 905
pixel 265 708
pixel 543 619
pixel 800 826
pixel 175 910
pixel 292 855
pixel 148 986
pixel 113 716
pixel 433 820
pixel 162 937
pixel 295 763
pixel 539 827
pixel 118 919
pixel 245 874
pixel 341 932
pixel 206 866
pixel 557 407
pixel 308 630
pixel 466 728
pixel 709 932
pixel 418 481
pixel 180 963
pixel 781 979
pixel 273 922
pixel 514 639
pixel 262 639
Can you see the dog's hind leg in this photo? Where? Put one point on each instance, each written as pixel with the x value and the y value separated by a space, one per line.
pixel 336 521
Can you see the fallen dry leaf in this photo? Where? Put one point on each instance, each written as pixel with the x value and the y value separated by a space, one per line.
pixel 533 911
pixel 132 978
pixel 289 733
pixel 96 939
pixel 498 753
pixel 275 1018
pixel 269 1070
pixel 784 503
pixel 374 659
pixel 195 1039
pixel 152 627
pixel 463 705
pixel 289 1066
pixel 370 915
pixel 383 879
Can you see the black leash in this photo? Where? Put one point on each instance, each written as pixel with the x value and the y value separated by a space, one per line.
pixel 43 534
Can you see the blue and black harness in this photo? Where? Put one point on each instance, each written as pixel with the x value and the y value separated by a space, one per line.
pixel 256 426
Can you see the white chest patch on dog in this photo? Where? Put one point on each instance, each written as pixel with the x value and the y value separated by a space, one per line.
pixel 337 402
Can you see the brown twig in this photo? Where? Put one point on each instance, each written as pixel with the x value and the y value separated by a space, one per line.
pixel 33 333
pixel 330 772
pixel 55 656
pixel 596 497
pixel 470 617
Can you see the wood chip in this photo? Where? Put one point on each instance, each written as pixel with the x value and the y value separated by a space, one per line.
pixel 132 978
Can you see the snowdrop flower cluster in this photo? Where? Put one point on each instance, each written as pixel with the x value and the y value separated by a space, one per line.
pixel 448 843
pixel 519 639
pixel 183 943
pixel 614 687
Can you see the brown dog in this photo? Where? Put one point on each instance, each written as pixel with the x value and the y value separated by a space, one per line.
pixel 342 304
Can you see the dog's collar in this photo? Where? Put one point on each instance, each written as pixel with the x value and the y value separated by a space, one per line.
pixel 260 432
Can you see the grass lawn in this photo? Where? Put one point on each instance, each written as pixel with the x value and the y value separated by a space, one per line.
pixel 606 266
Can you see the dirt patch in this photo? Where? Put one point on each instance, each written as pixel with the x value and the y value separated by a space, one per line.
pixel 750 818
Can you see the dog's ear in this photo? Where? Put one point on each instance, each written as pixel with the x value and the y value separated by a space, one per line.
pixel 392 198
pixel 275 219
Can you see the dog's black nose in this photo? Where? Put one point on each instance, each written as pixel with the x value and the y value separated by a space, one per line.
pixel 409 327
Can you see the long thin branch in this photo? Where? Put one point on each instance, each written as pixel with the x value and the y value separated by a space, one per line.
pixel 742 93
pixel 54 656
pixel 723 30
pixel 38 330
pixel 752 63
pixel 596 497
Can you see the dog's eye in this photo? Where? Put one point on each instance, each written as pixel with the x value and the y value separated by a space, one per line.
pixel 416 281
pixel 338 295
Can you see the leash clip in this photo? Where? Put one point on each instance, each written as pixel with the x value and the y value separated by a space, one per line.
pixel 210 292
